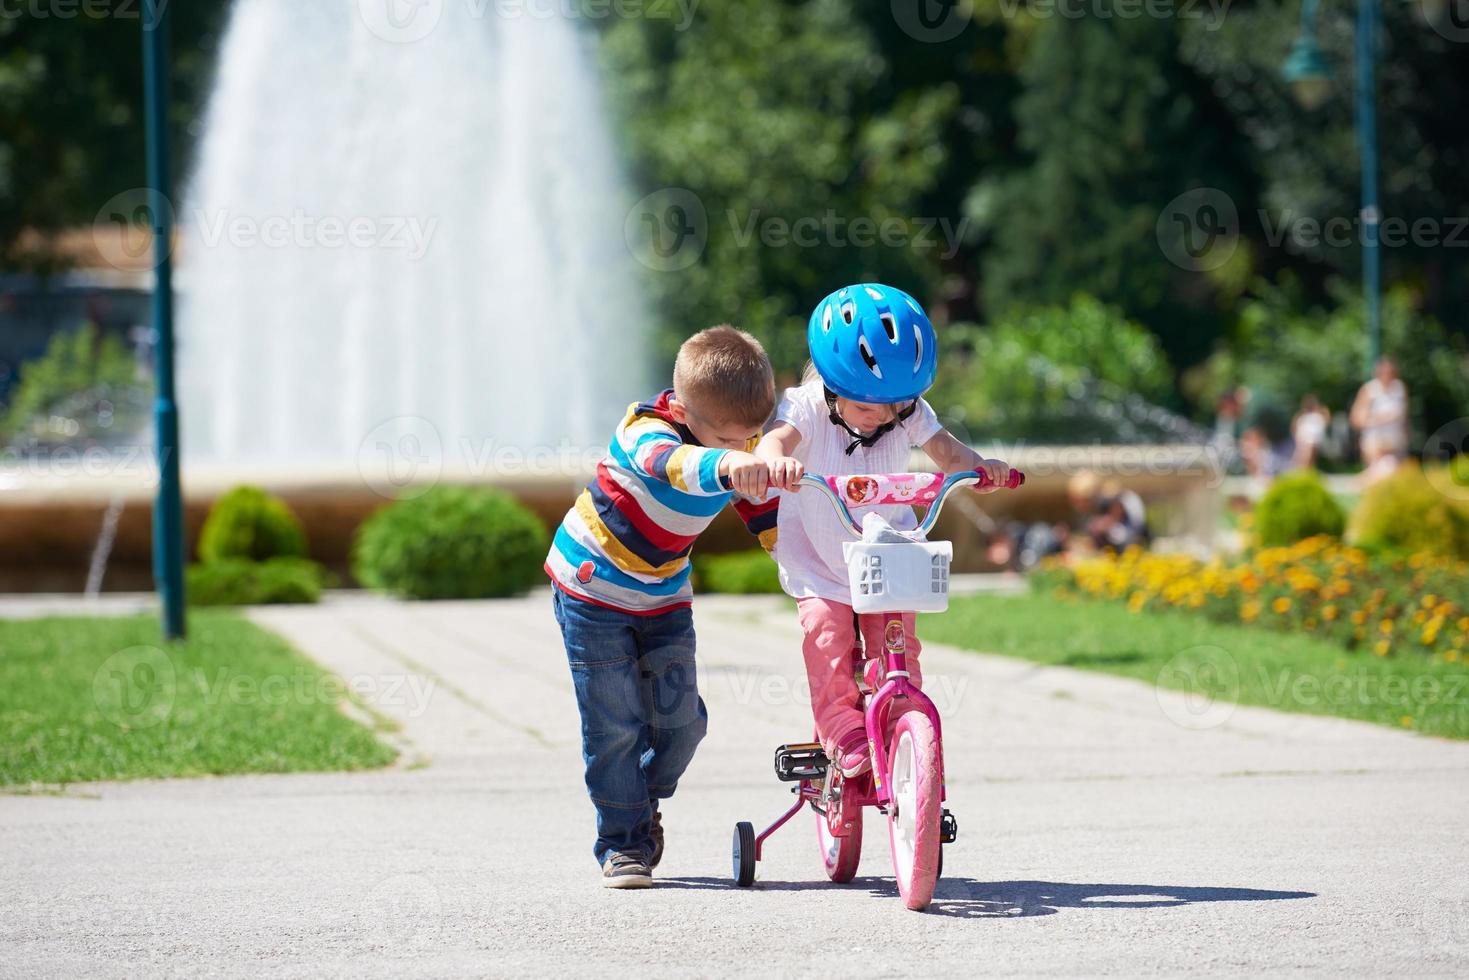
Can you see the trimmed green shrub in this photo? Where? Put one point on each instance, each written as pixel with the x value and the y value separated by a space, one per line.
pixel 248 523
pixel 740 573
pixel 1296 507
pixel 1405 512
pixel 236 582
pixel 452 543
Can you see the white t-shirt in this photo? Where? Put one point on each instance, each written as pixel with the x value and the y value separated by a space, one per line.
pixel 808 547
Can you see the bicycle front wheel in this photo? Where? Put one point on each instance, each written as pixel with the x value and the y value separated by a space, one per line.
pixel 916 810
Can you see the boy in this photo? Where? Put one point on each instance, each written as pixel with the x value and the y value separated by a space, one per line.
pixel 620 564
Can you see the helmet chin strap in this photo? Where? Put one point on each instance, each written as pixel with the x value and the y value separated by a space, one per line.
pixel 858 439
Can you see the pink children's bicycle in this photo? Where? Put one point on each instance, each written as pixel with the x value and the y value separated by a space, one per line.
pixel 890 575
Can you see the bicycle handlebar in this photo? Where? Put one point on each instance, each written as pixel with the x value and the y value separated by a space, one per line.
pixel 912 488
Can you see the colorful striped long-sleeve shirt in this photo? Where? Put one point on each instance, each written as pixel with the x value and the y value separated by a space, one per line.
pixel 626 542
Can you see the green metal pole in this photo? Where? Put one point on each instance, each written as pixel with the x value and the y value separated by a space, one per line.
pixel 168 510
pixel 1367 21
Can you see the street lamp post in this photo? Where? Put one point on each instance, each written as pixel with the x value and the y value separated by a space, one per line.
pixel 168 523
pixel 1307 71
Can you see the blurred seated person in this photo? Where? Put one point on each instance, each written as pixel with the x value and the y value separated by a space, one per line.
pixel 1120 521
pixel 1308 429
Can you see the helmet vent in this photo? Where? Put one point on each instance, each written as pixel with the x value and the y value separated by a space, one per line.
pixel 868 359
pixel 826 319
pixel 849 312
pixel 918 339
pixel 875 294
pixel 891 326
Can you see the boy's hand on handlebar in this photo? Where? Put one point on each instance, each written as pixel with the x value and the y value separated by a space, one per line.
pixel 998 472
pixel 748 475
pixel 786 473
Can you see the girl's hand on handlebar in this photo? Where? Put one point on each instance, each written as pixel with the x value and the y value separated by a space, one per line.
pixel 998 472
pixel 786 473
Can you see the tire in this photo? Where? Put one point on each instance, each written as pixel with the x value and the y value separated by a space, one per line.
pixel 916 811
pixel 840 855
pixel 743 854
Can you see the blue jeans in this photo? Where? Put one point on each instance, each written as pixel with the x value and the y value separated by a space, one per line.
pixel 641 714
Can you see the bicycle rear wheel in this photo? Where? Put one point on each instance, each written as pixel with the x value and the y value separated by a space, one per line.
pixel 840 855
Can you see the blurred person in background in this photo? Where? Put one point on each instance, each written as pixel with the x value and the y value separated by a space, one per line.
pixel 1308 430
pixel 1380 414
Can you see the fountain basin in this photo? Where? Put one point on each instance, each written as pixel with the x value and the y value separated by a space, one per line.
pixel 50 520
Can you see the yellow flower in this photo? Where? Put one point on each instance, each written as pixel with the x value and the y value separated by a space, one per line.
pixel 1281 605
pixel 1358 617
pixel 1382 647
pixel 1407 721
pixel 1429 601
pixel 1328 612
pixel 1249 611
pixel 1385 626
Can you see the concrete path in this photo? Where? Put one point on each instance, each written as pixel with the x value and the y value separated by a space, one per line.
pixel 1096 835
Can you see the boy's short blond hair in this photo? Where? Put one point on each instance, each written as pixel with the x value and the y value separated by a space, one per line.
pixel 723 376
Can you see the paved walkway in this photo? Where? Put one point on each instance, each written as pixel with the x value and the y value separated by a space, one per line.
pixel 1096 836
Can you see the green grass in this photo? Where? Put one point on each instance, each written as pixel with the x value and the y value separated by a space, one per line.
pixel 104 698
pixel 1289 672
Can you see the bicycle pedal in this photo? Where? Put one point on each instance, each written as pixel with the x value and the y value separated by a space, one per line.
pixel 800 761
pixel 948 828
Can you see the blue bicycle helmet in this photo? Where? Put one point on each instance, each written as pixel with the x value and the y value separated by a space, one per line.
pixel 873 343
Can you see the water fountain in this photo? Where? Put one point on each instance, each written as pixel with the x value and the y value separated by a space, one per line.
pixel 392 234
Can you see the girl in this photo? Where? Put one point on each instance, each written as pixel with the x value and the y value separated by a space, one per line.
pixel 858 410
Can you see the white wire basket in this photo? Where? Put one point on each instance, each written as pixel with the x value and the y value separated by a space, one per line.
pixel 911 576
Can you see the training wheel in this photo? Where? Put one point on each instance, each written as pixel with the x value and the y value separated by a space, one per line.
pixel 743 854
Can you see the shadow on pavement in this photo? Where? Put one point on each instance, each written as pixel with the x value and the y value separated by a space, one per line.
pixel 970 899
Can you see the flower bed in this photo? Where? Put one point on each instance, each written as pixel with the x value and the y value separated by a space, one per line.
pixel 1414 605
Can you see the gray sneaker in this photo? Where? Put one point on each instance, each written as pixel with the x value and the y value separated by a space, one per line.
pixel 657 834
pixel 625 871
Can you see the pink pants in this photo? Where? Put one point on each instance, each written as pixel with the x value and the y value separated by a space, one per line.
pixel 833 650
